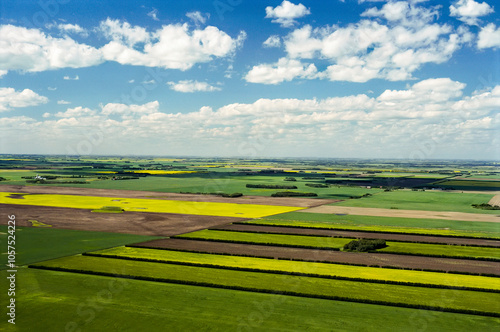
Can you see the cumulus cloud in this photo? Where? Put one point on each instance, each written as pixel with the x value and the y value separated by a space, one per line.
pixel 371 49
pixel 31 50
pixel 75 112
pixel 123 32
pixel 272 41
pixel 192 86
pixel 284 70
pixel 70 28
pixel 430 111
pixel 123 109
pixel 63 102
pixel 69 78
pixel 489 37
pixel 469 11
pixel 286 13
pixel 198 18
pixel 173 46
pixel 10 98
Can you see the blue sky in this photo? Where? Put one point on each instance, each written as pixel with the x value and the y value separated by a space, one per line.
pixel 390 79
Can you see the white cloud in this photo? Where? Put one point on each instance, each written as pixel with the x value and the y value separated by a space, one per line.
pixel 286 13
pixel 63 102
pixel 173 46
pixel 10 98
pixel 469 11
pixel 198 18
pixel 489 36
pixel 69 78
pixel 192 86
pixel 123 32
pixel 154 14
pixel 395 123
pixel 31 50
pixel 284 70
pixel 122 109
pixel 75 112
pixel 272 41
pixel 370 49
pixel 73 28
pixel 404 13
pixel 51 88
pixel 131 81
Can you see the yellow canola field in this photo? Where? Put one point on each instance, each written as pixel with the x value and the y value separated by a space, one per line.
pixel 159 171
pixel 148 205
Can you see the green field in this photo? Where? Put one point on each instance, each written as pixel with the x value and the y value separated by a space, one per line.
pixel 34 244
pixel 423 200
pixel 487 229
pixel 271 239
pixel 336 270
pixel 59 301
pixel 148 205
pixel 445 299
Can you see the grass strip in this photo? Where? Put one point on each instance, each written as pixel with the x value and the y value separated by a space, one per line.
pixel 296 241
pixel 460 301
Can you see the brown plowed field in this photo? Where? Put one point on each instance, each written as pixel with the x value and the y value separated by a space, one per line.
pixel 402 261
pixel 143 223
pixel 279 201
pixel 363 211
pixel 495 200
pixel 356 234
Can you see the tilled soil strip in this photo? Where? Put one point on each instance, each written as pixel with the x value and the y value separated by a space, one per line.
pixel 356 234
pixel 368 259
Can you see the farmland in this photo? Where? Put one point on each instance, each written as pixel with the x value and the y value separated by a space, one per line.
pixel 193 231
pixel 51 299
pixel 463 301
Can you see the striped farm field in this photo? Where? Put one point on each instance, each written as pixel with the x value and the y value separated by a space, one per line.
pixel 146 205
pixel 464 301
pixel 319 242
pixel 268 239
pixel 370 228
pixel 441 250
pixel 318 269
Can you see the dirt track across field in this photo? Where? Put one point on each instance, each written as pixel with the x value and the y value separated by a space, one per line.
pixel 362 211
pixel 356 234
pixel 143 223
pixel 260 200
pixel 368 259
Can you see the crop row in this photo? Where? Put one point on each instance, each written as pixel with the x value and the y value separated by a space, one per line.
pixel 462 301
pixel 300 241
pixel 320 242
pixel 373 229
pixel 371 274
pixel 390 267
